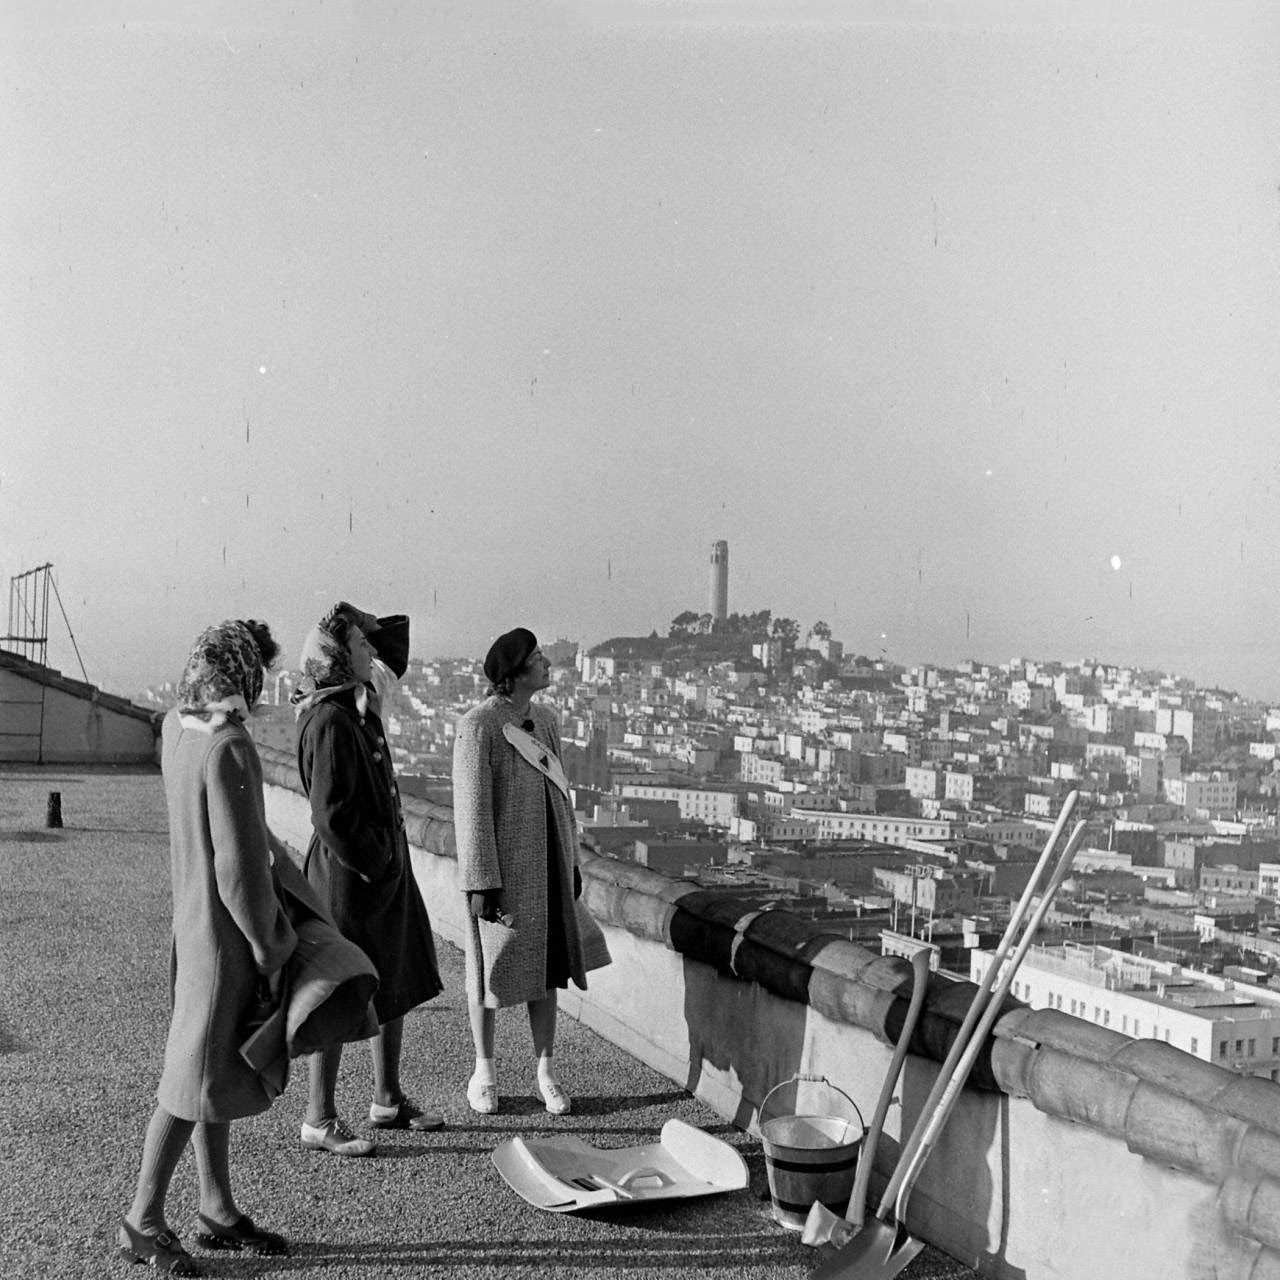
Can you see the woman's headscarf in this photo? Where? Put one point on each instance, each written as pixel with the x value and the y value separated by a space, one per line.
pixel 225 662
pixel 326 660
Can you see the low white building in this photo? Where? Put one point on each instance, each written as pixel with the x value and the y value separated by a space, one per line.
pixel 1212 1018
pixel 714 808
pixel 882 827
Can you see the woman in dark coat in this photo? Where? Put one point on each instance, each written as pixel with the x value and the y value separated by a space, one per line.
pixel 231 939
pixel 358 859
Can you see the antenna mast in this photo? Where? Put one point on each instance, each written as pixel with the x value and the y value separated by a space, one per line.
pixel 28 633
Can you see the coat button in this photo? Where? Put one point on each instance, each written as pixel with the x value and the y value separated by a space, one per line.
pixel 377 755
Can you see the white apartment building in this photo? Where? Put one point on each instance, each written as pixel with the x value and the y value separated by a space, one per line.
pixel 1201 791
pixel 922 782
pixel 1214 1019
pixel 1098 754
pixel 714 808
pixel 764 769
pixel 813 719
pixel 1028 697
pixel 885 828
pixel 1269 880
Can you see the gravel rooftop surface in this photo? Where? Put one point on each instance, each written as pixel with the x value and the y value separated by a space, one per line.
pixel 84 953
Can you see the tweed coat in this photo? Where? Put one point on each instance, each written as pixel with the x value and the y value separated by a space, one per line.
pixel 500 809
pixel 358 856
pixel 229 927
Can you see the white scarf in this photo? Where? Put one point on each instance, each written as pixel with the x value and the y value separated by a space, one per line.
pixel 215 714
pixel 541 757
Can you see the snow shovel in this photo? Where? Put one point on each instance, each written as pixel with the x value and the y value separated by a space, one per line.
pixel 884 1247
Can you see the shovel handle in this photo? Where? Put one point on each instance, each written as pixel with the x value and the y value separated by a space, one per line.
pixel 857 1211
pixel 981 997
pixel 932 1125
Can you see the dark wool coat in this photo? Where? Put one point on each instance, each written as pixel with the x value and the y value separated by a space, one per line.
pixel 358 857
pixel 228 924
pixel 501 805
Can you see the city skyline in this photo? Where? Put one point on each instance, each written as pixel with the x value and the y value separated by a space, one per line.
pixel 958 327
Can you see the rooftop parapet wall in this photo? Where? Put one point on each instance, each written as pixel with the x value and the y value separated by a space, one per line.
pixel 1075 1152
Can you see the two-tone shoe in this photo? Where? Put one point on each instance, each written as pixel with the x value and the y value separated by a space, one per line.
pixel 334 1136
pixel 404 1115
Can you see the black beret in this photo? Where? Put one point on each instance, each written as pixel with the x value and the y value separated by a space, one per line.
pixel 508 654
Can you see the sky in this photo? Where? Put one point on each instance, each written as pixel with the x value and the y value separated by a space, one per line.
pixel 958 321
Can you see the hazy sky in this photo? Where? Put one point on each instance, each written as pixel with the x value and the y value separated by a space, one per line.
pixel 502 313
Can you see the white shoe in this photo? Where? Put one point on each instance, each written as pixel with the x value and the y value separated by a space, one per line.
pixel 553 1094
pixel 482 1096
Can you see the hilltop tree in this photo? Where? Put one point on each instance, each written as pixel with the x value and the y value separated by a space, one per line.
pixel 821 630
pixel 787 630
pixel 683 623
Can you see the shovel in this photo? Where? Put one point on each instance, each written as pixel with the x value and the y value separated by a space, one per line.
pixel 822 1225
pixel 884 1247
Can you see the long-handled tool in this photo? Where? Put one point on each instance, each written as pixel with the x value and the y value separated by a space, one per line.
pixel 982 997
pixel 822 1224
pixel 884 1247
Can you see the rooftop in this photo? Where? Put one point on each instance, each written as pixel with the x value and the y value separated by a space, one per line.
pixel 84 950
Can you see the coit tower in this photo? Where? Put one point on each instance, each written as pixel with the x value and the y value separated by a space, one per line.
pixel 719 609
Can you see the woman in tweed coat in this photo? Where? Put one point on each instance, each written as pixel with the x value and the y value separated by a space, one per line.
pixel 517 856
pixel 231 938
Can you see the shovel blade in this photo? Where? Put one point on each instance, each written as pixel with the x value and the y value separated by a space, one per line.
pixel 880 1251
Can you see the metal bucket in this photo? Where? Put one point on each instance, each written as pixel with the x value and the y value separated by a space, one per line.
pixel 810 1147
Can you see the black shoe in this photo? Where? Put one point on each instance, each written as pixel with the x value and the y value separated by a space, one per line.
pixel 163 1251
pixel 240 1235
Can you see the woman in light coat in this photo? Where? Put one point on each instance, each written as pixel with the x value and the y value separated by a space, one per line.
pixel 518 860
pixel 231 939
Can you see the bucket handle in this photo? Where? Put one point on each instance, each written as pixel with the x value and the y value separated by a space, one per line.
pixel 805 1077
